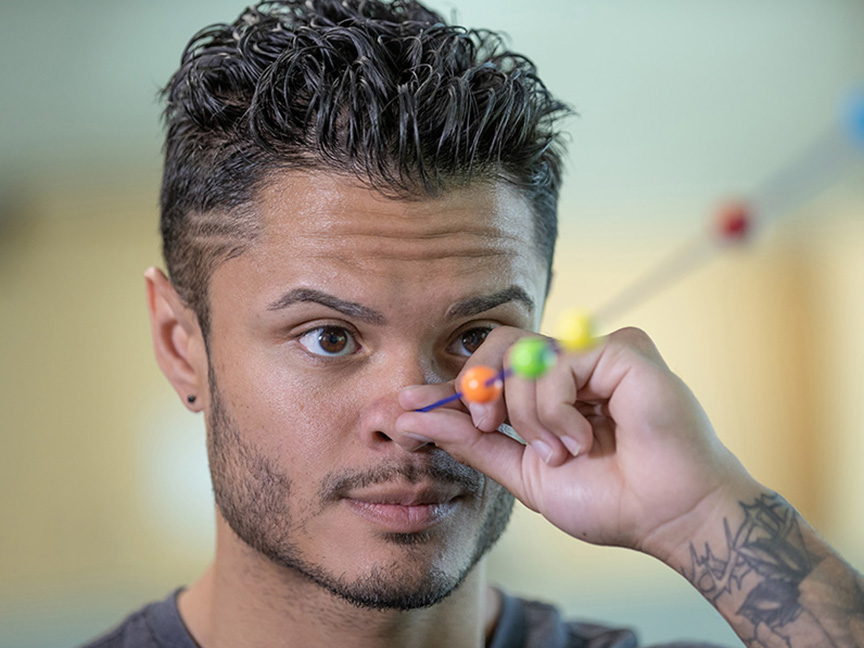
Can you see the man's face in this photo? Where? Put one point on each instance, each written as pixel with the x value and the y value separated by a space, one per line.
pixel 345 298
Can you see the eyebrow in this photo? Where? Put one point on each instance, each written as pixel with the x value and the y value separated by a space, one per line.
pixel 483 303
pixel 349 308
pixel 465 308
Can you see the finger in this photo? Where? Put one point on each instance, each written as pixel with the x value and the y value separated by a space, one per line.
pixel 603 435
pixel 557 408
pixel 489 416
pixel 520 396
pixel 419 396
pixel 601 369
pixel 496 455
pixel 521 404
pixel 644 398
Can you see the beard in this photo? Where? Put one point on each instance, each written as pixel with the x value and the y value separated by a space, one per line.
pixel 253 496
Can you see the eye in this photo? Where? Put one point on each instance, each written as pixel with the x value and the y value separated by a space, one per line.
pixel 328 341
pixel 470 340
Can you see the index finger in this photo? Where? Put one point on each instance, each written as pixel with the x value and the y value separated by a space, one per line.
pixel 488 417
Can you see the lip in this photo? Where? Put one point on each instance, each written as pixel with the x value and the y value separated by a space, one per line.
pixel 405 510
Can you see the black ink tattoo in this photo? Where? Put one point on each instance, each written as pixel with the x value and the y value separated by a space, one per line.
pixel 768 543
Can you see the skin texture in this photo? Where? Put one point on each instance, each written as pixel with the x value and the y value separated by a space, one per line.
pixel 627 457
pixel 342 516
pixel 297 438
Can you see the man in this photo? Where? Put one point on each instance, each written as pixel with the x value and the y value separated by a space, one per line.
pixel 358 205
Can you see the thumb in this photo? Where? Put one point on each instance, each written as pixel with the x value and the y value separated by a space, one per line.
pixel 495 454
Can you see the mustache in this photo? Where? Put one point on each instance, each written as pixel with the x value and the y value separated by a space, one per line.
pixel 436 466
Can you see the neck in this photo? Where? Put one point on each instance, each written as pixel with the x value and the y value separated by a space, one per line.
pixel 244 599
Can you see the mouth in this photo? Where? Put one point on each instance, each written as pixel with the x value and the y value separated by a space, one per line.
pixel 405 510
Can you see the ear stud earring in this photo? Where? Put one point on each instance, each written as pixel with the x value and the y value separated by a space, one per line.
pixel 190 398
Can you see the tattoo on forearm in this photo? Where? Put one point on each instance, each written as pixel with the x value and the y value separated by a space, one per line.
pixel 765 562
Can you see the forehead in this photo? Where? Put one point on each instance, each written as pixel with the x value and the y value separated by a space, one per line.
pixel 330 216
pixel 407 258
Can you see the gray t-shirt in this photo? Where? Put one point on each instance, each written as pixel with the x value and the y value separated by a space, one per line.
pixel 522 624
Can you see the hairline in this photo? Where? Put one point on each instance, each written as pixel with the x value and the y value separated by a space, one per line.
pixel 251 209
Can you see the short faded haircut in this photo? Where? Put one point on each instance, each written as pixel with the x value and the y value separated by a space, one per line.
pixel 384 91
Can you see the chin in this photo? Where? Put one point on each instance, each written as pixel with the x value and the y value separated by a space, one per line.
pixel 393 588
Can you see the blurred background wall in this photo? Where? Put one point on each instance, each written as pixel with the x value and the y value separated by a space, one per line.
pixel 104 493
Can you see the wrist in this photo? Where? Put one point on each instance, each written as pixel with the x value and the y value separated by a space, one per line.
pixel 705 524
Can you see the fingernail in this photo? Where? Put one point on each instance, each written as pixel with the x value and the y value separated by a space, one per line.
pixel 417 437
pixel 478 413
pixel 407 392
pixel 572 445
pixel 543 449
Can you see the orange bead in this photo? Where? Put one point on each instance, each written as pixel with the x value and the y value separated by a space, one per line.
pixel 480 385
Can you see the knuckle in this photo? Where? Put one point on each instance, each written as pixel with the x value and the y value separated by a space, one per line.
pixel 550 415
pixel 637 340
pixel 632 335
pixel 519 334
pixel 502 336
pixel 524 425
pixel 517 420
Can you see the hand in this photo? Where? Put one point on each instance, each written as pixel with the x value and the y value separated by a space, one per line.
pixel 619 451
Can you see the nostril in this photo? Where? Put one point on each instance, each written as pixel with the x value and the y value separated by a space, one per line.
pixel 380 436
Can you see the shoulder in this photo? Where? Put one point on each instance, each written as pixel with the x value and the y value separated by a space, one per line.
pixel 534 624
pixel 157 625
pixel 132 632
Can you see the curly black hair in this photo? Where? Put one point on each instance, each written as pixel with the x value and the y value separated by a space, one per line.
pixel 385 91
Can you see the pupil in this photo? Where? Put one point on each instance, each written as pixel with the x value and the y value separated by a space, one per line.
pixel 333 340
pixel 472 339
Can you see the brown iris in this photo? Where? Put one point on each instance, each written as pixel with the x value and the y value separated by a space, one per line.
pixel 333 340
pixel 473 338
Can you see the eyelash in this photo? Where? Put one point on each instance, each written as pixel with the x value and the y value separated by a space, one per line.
pixel 314 335
pixel 461 336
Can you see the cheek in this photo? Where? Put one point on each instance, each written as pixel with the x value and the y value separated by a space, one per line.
pixel 303 419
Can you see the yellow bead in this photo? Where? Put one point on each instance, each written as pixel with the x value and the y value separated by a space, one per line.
pixel 575 330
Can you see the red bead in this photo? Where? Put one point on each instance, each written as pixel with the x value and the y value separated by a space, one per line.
pixel 734 222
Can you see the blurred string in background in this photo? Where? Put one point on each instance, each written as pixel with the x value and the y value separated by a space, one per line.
pixel 105 494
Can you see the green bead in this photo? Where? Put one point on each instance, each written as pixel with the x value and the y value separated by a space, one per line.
pixel 531 357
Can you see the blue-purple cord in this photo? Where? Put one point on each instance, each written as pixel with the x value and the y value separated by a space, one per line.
pixel 501 375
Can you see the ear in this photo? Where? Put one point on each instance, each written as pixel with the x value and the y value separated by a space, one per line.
pixel 177 340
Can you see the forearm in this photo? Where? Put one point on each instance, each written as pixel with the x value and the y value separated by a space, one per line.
pixel 773 579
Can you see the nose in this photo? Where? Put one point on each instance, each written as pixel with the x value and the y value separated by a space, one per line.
pixel 377 419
